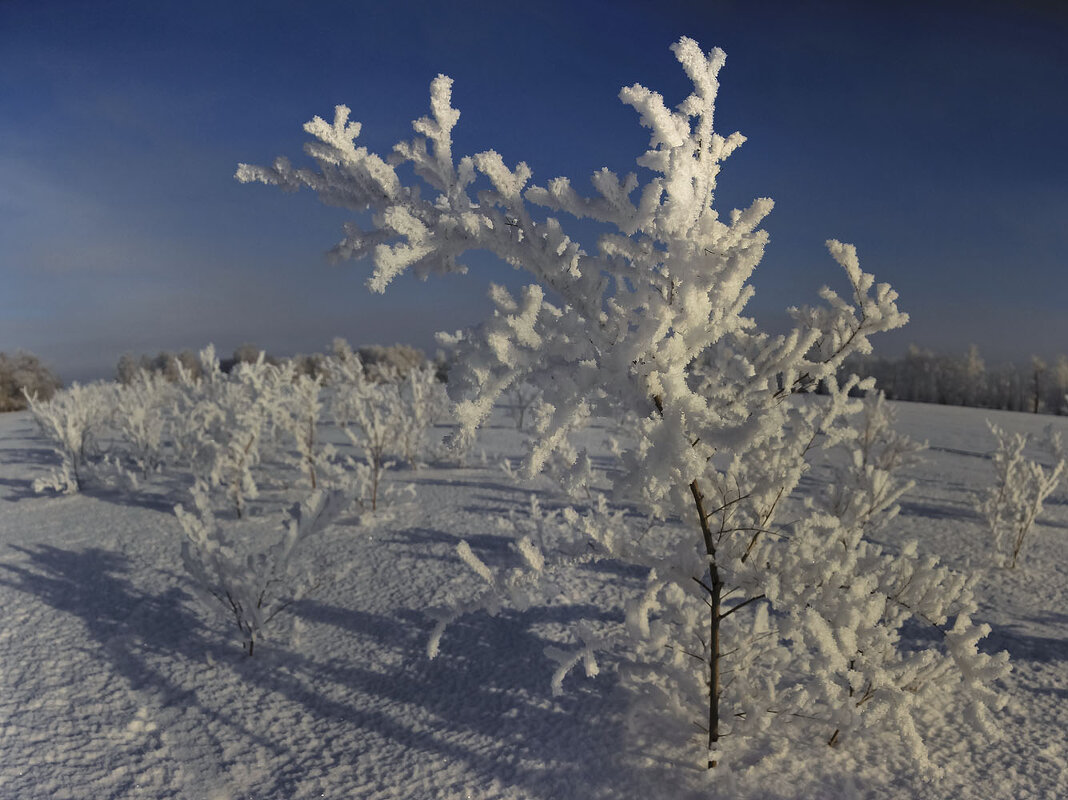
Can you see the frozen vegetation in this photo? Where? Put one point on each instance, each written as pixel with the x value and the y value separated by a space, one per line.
pixel 758 623
pixel 666 570
pixel 117 681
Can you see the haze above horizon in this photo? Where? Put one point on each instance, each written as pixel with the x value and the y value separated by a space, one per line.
pixel 931 137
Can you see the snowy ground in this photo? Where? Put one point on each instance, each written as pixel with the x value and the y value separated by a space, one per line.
pixel 114 683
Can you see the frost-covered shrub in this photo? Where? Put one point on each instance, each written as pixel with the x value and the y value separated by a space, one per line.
pixel 236 427
pixel 143 406
pixel 383 416
pixel 827 669
pixel 251 586
pixel 304 409
pixel 572 470
pixel 193 414
pixel 226 424
pixel 521 398
pixel 1053 443
pixel 373 421
pixel 751 627
pixel 1014 502
pixel 868 486
pixel 423 403
pixel 71 420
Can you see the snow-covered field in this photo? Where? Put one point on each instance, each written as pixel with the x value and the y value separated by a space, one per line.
pixel 115 683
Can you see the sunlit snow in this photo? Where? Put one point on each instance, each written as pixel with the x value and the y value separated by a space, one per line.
pixel 115 682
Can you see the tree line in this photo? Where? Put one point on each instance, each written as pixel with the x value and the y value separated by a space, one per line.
pixel 923 376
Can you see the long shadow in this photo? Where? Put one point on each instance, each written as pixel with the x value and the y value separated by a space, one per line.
pixel 158 492
pixel 21 489
pixel 506 487
pixel 126 623
pixel 494 549
pixel 91 584
pixel 942 484
pixel 957 452
pixel 1056 691
pixel 490 682
pixel 39 456
pixel 386 631
pixel 1052 618
pixel 912 508
pixel 1026 646
pixel 163 502
pixel 1021 645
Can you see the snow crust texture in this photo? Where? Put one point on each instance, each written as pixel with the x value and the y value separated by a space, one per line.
pixel 114 683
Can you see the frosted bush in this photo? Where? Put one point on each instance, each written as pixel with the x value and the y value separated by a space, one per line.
pixel 193 413
pixel 1053 443
pixel 1015 500
pixel 423 403
pixel 751 627
pixel 71 420
pixel 227 424
pixel 141 419
pixel 252 586
pixel 383 418
pixel 373 421
pixel 572 470
pixel 868 486
pixel 234 431
pixel 521 398
pixel 304 408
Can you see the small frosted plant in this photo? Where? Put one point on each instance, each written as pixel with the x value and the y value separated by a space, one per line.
pixel 251 589
pixel 374 420
pixel 869 485
pixel 521 398
pixel 422 403
pixel 304 408
pixel 141 419
pixel 749 625
pixel 1012 505
pixel 71 420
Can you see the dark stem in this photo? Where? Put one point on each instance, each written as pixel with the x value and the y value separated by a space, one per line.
pixel 714 603
pixel 715 598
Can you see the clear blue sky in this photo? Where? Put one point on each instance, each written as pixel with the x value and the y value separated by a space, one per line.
pixel 932 135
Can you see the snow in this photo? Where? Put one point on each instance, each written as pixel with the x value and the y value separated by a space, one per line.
pixel 115 682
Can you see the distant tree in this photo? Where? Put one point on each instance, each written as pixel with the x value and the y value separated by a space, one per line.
pixel 1038 371
pixel 24 374
pixel 923 376
pixel 190 363
pixel 127 370
pixel 392 362
pixel 1056 386
pixel 522 397
pixel 169 365
pixel 247 353
pixel 972 375
pixel 313 365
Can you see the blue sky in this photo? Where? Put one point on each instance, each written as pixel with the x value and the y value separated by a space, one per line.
pixel 931 135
